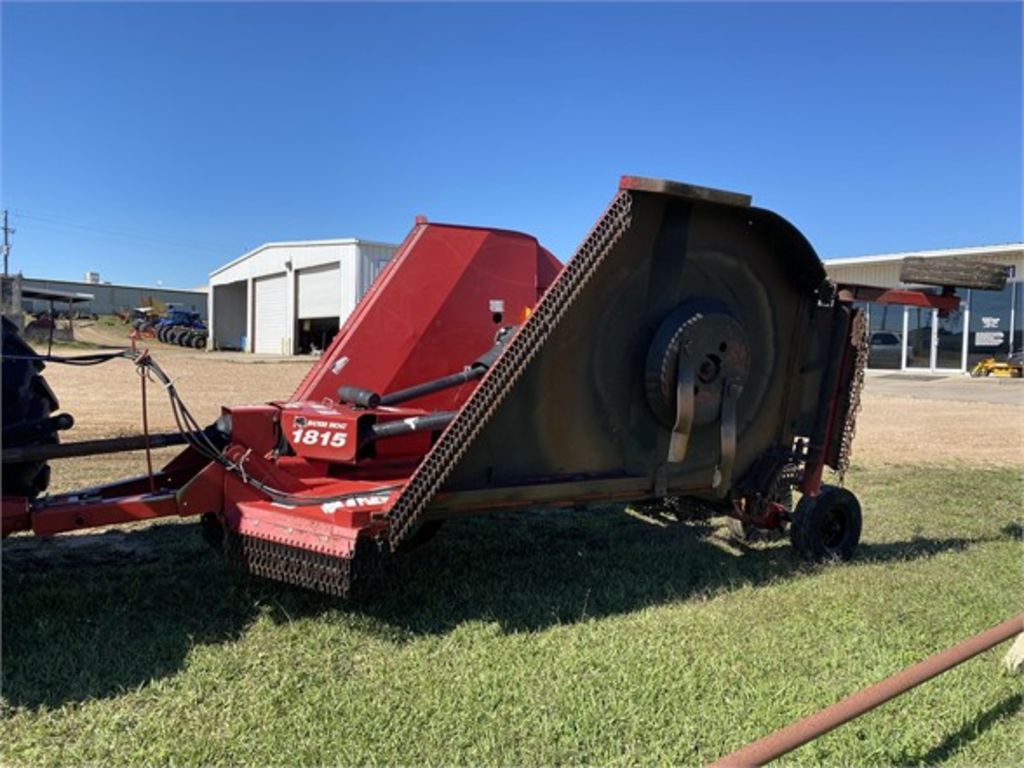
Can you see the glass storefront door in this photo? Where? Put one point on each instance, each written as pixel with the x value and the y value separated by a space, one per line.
pixel 932 342
pixel 987 324
pixel 918 337
pixel 949 340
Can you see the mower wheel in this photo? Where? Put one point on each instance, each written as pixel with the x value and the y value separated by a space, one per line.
pixel 26 400
pixel 826 526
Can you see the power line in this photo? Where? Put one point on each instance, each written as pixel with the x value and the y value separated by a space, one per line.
pixel 104 231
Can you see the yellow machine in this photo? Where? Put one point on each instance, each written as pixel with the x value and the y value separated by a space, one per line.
pixel 1012 368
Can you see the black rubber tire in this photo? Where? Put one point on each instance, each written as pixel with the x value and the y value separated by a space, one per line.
pixel 186 338
pixel 161 333
pixel 199 342
pixel 26 398
pixel 827 526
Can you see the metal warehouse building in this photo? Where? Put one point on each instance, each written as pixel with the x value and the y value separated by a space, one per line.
pixel 108 298
pixel 291 298
pixel 988 323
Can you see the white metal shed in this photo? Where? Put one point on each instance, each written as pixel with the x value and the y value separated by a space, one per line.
pixel 291 297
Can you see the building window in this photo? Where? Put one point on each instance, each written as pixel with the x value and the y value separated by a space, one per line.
pixel 885 332
pixel 949 337
pixel 995 326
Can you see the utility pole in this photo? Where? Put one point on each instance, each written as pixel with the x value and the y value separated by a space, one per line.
pixel 7 242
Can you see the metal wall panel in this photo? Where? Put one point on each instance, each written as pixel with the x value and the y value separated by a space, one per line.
pixel 229 315
pixel 271 326
pixel 882 274
pixel 108 298
pixel 373 258
pixel 318 292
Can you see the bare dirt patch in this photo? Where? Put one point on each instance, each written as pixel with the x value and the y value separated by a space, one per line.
pixel 907 430
pixel 106 401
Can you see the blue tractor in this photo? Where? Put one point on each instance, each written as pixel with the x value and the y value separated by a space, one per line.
pixel 183 327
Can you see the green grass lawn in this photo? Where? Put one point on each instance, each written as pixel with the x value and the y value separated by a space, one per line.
pixel 537 638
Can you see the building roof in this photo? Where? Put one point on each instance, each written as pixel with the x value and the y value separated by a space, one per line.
pixel 979 251
pixel 298 244
pixel 111 285
pixel 46 294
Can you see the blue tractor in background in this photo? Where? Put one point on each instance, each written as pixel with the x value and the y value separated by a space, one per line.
pixel 183 327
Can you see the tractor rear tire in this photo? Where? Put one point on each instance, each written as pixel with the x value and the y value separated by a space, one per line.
pixel 826 526
pixel 26 399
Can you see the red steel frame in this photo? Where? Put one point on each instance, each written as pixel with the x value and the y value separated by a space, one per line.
pixel 449 289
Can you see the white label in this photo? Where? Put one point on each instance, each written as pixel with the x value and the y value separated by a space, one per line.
pixel 989 338
pixel 990 322
pixel 356 501
pixel 325 437
pixel 496 305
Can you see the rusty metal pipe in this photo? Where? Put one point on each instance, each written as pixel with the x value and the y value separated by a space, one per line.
pixel 809 728
pixel 90 447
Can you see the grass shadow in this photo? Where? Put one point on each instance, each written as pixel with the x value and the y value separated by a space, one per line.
pixel 86 627
pixel 970 731
pixel 528 571
pixel 1013 531
pixel 76 630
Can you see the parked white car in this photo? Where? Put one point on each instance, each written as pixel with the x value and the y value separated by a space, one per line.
pixel 884 350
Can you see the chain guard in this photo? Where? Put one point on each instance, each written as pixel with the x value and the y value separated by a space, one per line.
pixel 859 337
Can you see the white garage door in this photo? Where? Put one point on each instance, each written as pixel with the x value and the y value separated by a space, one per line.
pixel 319 292
pixel 270 318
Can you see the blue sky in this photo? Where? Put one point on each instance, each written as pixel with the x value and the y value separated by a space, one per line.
pixel 156 142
